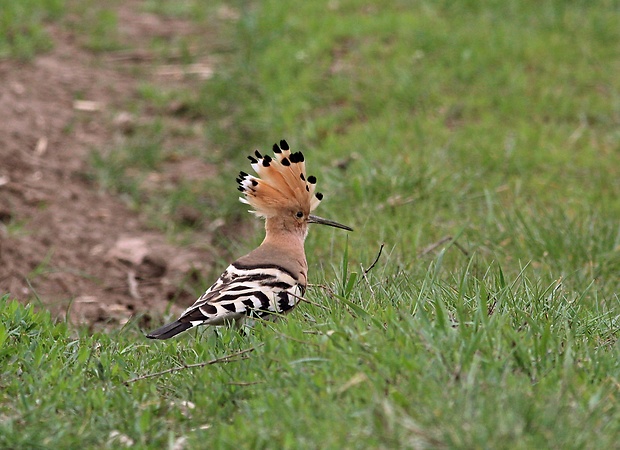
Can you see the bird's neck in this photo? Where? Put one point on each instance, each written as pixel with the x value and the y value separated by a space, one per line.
pixel 284 247
pixel 289 238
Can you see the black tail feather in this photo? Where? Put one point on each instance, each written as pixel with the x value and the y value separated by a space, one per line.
pixel 170 330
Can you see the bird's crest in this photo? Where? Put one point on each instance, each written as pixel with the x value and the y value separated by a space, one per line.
pixel 281 184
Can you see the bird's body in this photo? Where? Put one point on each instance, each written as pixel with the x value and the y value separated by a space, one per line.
pixel 270 280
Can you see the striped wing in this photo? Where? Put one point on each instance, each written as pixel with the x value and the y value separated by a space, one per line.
pixel 243 291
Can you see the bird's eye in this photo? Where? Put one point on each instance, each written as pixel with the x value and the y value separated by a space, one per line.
pixel 299 214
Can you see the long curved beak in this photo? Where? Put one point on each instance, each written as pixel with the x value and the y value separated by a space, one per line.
pixel 331 223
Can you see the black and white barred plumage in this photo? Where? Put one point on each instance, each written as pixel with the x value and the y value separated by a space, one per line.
pixel 263 291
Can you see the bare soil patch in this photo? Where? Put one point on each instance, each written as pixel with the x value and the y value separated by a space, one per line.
pixel 79 250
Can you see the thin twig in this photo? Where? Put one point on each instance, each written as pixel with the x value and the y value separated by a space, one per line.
pixel 460 247
pixel 372 292
pixel 375 261
pixel 301 341
pixel 365 272
pixel 303 299
pixel 133 56
pixel 430 248
pixel 244 383
pixel 325 287
pixel 227 358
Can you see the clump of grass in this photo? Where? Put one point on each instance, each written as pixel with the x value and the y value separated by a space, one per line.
pixel 22 26
pixel 397 359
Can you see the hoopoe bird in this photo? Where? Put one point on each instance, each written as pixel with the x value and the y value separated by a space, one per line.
pixel 270 280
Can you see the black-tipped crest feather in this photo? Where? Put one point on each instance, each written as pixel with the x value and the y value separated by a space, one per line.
pixel 280 184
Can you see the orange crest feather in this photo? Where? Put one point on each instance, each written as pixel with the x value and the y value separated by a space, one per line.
pixel 281 184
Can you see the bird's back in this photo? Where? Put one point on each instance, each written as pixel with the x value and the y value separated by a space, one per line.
pixel 262 284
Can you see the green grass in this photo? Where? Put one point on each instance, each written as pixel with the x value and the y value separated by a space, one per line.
pixel 455 362
pixel 22 30
pixel 95 24
pixel 492 122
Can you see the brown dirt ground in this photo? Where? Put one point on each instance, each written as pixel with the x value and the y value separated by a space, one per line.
pixel 79 250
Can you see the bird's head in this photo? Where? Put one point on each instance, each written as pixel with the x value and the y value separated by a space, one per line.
pixel 282 193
